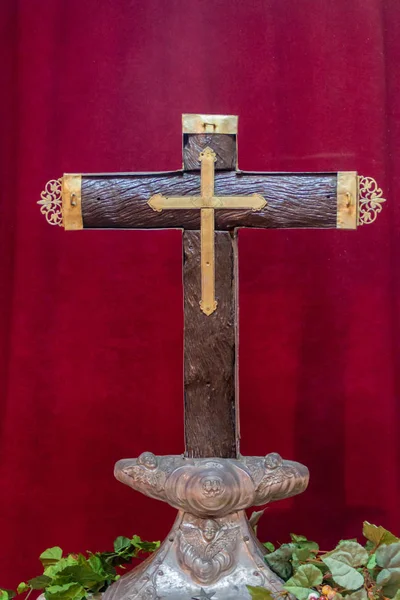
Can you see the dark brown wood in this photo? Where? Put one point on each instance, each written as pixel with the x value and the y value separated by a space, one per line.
pixel 224 146
pixel 294 201
pixel 210 409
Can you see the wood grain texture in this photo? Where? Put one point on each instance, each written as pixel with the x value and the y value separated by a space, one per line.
pixel 209 375
pixel 224 146
pixel 294 201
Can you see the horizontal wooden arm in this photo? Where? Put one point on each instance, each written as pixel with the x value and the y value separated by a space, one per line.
pixel 308 200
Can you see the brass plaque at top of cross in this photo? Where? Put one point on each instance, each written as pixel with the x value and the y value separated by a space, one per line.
pixel 207 202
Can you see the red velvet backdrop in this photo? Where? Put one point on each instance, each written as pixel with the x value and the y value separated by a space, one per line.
pixel 92 341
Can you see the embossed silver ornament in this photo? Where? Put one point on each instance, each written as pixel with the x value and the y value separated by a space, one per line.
pixel 211 550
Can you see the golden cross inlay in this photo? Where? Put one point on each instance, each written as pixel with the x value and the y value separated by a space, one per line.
pixel 207 203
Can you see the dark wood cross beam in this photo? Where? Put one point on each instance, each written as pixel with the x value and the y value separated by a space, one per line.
pixel 221 198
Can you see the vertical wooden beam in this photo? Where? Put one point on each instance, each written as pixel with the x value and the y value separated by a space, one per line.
pixel 224 146
pixel 210 369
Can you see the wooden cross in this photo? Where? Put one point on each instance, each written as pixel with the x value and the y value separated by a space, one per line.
pixel 266 200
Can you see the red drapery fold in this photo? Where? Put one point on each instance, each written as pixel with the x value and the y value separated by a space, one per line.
pixel 91 365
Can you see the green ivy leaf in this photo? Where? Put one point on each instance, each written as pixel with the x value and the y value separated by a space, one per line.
pixel 298 538
pixel 359 555
pixel 111 559
pixel 255 518
pixel 389 579
pixel 6 594
pixel 55 570
pixel 280 560
pixel 39 583
pixel 259 593
pixel 50 556
pixel 303 554
pixel 349 540
pixel 23 587
pixel 358 595
pixel 76 575
pixel 301 583
pixel 388 557
pixel 68 591
pixel 144 546
pixel 302 542
pixel 106 564
pixel 371 564
pixel 122 543
pixel 305 549
pixel 82 572
pixel 378 535
pixel 269 546
pixel 96 565
pixel 343 573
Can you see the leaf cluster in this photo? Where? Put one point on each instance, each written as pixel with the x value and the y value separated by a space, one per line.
pixel 350 571
pixel 78 576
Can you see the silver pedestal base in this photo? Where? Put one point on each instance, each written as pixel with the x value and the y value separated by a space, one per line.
pixel 211 551
pixel 201 558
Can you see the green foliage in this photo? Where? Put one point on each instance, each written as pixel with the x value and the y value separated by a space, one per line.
pixel 360 594
pixel 280 560
pixel 38 583
pixel 254 518
pixel 6 594
pixel 258 593
pixel 303 581
pixel 121 543
pixel 78 576
pixel 269 546
pixel 342 572
pixel 67 591
pixel 378 535
pixel 22 588
pixel 350 571
pixel 290 556
pixel 50 556
pixel 343 563
pixel 388 557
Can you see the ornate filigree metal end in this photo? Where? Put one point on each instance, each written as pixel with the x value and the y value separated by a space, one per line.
pixel 51 202
pixel 370 200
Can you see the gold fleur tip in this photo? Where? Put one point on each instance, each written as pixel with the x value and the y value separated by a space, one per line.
pixel 51 202
pixel 156 202
pixel 370 200
pixel 259 202
pixel 207 153
pixel 208 308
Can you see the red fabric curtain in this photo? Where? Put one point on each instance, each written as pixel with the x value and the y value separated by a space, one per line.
pixel 91 365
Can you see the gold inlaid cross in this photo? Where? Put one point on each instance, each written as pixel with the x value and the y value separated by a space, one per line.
pixel 207 202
